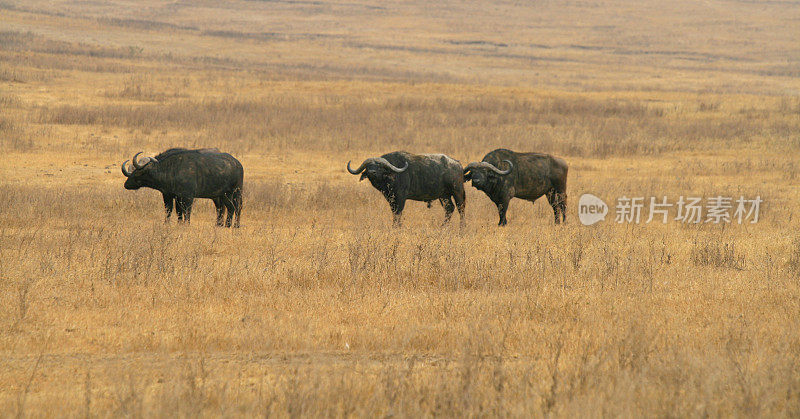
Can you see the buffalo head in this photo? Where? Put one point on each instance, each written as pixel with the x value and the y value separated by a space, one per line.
pixel 484 174
pixel 142 173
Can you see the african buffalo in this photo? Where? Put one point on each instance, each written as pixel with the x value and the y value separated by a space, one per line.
pixel 526 176
pixel 425 177
pixel 182 175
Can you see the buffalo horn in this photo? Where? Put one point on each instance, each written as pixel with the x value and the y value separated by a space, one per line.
pixel 125 171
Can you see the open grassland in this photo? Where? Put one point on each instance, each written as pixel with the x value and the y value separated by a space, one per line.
pixel 317 306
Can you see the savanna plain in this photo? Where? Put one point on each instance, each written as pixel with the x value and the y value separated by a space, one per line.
pixel 317 306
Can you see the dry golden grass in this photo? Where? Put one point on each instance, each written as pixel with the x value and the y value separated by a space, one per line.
pixel 317 306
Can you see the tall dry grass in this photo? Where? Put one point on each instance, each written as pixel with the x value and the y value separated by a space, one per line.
pixel 424 320
pixel 328 121
pixel 317 306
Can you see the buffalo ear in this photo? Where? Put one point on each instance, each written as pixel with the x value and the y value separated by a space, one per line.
pixel 467 176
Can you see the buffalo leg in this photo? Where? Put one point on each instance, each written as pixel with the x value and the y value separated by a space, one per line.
pixel 551 198
pixel 460 199
pixel 220 210
pixel 397 211
pixel 184 208
pixel 179 209
pixel 502 207
pixel 447 203
pixel 237 204
pixel 501 210
pixel 231 207
pixel 168 204
pixel 558 202
pixel 188 209
pixel 560 189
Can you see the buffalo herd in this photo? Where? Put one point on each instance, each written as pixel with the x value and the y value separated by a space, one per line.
pixel 181 175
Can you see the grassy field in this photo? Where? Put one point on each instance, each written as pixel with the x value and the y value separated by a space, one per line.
pixel 317 306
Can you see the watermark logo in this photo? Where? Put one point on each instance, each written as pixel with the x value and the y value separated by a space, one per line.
pixel 591 209
pixel 687 210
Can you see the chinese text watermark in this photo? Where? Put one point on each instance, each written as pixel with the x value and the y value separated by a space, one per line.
pixel 686 209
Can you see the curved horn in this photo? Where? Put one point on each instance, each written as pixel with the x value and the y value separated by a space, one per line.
pixel 471 166
pixel 498 171
pixel 124 171
pixel 357 171
pixel 136 164
pixel 394 168
pixel 510 167
pixel 144 161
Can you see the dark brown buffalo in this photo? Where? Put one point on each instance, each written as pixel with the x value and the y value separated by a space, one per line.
pixel 400 176
pixel 526 176
pixel 182 175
